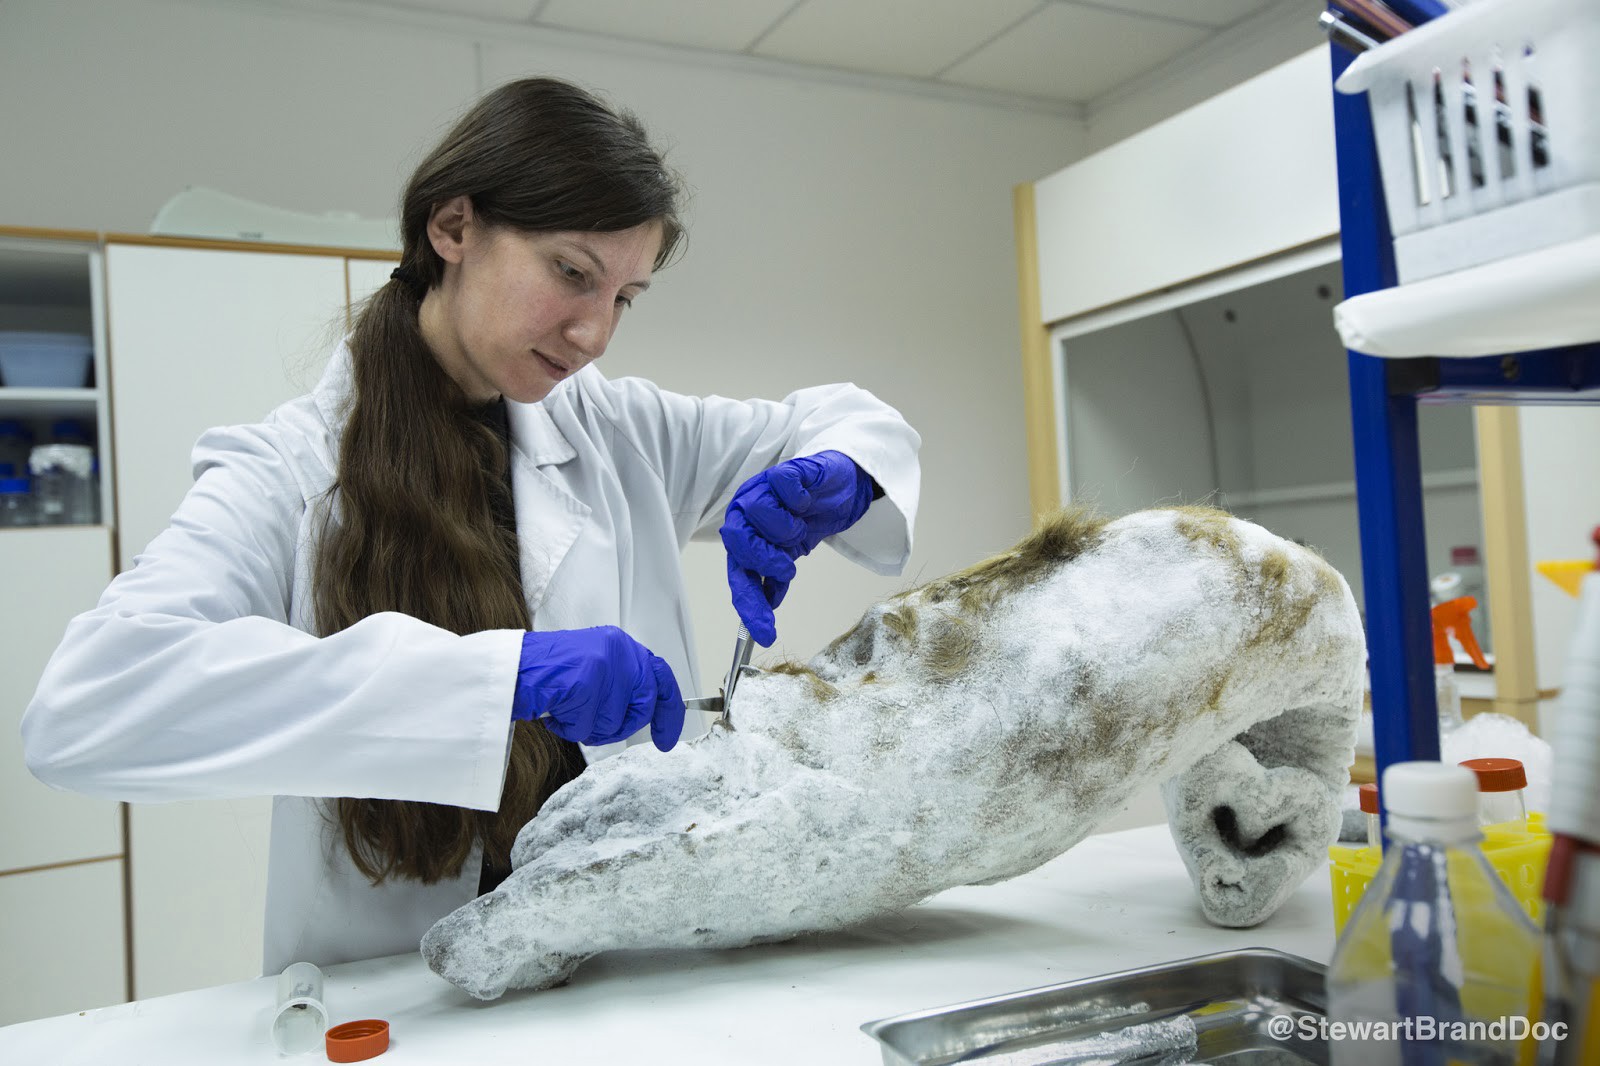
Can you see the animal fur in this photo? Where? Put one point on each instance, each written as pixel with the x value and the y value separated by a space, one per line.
pixel 964 732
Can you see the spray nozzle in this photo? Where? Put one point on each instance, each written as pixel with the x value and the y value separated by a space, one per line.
pixel 1454 617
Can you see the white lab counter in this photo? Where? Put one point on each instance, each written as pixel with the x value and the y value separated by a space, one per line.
pixel 1114 902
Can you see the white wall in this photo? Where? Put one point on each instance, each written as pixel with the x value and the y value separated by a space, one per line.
pixel 1271 37
pixel 837 232
pixel 1561 472
pixel 1137 434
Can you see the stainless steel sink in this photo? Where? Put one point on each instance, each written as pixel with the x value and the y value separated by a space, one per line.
pixel 1211 1008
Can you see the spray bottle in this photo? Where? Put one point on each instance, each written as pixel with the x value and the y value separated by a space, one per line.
pixel 1452 618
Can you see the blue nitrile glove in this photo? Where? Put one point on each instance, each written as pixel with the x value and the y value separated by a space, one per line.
pixel 597 686
pixel 778 516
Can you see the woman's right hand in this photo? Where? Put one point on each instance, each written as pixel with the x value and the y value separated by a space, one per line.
pixel 597 686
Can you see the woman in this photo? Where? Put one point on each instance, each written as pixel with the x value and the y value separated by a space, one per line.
pixel 414 603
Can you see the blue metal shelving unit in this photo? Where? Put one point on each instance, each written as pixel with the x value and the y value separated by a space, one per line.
pixel 1384 394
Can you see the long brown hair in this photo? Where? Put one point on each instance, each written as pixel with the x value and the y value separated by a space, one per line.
pixel 418 471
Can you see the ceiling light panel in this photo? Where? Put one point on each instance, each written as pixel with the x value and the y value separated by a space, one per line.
pixel 728 25
pixel 1208 12
pixel 1066 52
pixel 499 10
pixel 917 38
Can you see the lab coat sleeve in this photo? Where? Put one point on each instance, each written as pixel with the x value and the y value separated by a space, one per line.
pixel 188 681
pixel 704 448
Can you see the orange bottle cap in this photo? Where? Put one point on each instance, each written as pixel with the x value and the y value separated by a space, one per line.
pixel 354 1041
pixel 1498 775
pixel 1369 798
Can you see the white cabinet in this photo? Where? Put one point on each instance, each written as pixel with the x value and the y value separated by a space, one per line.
pixel 53 284
pixel 61 913
pixel 365 277
pixel 203 337
pixel 1241 176
pixel 62 940
pixel 199 337
pixel 49 576
pixel 197 881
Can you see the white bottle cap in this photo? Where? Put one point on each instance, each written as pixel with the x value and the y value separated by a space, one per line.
pixel 1430 799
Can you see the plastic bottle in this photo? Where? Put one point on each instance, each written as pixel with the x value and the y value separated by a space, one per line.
pixel 1501 800
pixel 62 476
pixel 15 443
pixel 1437 942
pixel 16 503
pixel 1453 617
pixel 1464 578
pixel 82 504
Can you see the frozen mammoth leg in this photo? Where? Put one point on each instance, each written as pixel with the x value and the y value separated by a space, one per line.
pixel 727 843
pixel 963 733
pixel 1248 834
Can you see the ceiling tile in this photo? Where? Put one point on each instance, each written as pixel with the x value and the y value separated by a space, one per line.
pixel 1209 12
pixel 729 25
pixel 909 37
pixel 501 10
pixel 1073 53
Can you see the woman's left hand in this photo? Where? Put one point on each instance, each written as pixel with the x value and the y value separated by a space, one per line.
pixel 778 516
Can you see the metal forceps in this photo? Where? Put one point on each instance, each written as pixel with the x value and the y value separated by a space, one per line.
pixel 743 645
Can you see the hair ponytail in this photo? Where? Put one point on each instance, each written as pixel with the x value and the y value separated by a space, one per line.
pixel 414 530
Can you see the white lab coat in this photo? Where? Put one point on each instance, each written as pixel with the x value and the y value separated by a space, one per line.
pixel 197 677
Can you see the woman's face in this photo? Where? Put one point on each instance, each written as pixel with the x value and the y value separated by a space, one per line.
pixel 517 312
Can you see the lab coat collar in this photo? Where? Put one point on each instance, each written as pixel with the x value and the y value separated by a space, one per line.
pixel 536 433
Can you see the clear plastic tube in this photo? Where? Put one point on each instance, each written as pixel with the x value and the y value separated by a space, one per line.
pixel 1507 810
pixel 301 1019
pixel 1371 808
pixel 1447 694
pixel 1501 785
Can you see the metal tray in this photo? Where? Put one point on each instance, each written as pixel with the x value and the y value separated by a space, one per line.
pixel 1211 1008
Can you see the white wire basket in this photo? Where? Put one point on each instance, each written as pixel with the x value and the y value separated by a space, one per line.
pixel 1487 123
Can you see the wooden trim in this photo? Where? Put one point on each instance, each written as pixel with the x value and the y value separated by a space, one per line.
pixel 60 865
pixel 1505 562
pixel 108 471
pixel 84 236
pixel 1038 378
pixel 250 246
pixel 36 233
pixel 127 901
